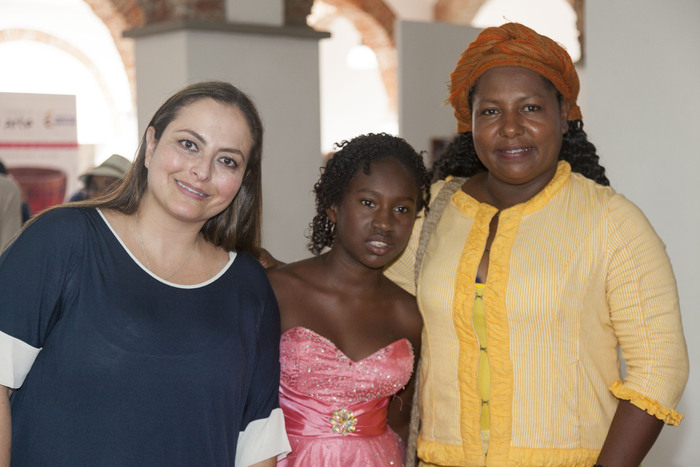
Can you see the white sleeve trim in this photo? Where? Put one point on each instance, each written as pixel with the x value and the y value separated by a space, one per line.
pixel 263 439
pixel 16 359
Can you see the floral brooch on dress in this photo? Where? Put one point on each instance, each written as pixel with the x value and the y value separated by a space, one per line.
pixel 343 421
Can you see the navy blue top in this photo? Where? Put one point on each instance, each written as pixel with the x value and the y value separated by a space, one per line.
pixel 133 370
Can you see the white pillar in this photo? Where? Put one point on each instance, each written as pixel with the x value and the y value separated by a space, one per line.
pixel 279 69
pixel 427 54
pixel 255 11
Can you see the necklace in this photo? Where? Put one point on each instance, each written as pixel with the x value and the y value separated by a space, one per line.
pixel 145 255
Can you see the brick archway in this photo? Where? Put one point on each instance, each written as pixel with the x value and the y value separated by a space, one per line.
pixel 457 11
pixel 374 20
pixel 16 34
pixel 118 16
pixel 463 12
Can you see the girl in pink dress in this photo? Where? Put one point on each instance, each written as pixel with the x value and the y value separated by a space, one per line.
pixel 349 335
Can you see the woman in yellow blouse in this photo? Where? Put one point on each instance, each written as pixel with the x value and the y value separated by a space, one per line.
pixel 535 275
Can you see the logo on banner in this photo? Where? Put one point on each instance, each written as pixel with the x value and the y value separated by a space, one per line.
pixel 51 120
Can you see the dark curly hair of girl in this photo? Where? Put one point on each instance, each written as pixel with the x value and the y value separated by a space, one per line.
pixel 349 158
pixel 460 159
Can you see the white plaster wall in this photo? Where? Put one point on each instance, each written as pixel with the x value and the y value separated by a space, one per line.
pixel 427 54
pixel 255 11
pixel 412 10
pixel 281 75
pixel 643 95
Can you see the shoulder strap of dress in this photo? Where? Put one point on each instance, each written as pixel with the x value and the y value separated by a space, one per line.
pixel 433 217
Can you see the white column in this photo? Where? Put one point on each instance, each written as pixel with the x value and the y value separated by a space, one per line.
pixel 427 54
pixel 279 69
pixel 269 12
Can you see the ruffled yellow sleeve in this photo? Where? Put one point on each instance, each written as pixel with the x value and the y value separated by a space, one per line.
pixel 645 314
pixel 652 407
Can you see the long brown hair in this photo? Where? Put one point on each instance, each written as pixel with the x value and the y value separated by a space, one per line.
pixel 238 227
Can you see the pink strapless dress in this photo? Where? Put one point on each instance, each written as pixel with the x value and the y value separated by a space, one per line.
pixel 335 408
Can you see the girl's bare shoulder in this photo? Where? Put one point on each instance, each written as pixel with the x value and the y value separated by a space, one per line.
pixel 405 312
pixel 291 274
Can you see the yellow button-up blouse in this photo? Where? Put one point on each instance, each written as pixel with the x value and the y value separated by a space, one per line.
pixel 575 273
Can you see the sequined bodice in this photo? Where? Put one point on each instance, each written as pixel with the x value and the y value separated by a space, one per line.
pixel 313 365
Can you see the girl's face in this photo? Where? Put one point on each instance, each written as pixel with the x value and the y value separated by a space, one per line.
pixel 197 166
pixel 375 218
pixel 518 125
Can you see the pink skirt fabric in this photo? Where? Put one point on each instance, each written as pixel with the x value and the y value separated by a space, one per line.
pixel 335 408
pixel 372 451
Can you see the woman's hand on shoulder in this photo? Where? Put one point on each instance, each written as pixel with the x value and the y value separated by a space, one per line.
pixel 268 261
pixel 293 285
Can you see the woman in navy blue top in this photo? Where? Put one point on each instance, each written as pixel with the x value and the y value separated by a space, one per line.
pixel 138 328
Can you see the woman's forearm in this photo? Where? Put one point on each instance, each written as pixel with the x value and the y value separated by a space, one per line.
pixel 272 462
pixel 5 426
pixel 631 435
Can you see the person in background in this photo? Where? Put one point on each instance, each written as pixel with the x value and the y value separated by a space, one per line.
pixel 531 273
pixel 10 208
pixel 348 332
pixel 150 334
pixel 26 212
pixel 101 179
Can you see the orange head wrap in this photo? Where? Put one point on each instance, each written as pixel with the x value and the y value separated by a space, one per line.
pixel 512 44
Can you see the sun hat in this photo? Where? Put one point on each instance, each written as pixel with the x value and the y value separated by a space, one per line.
pixel 114 166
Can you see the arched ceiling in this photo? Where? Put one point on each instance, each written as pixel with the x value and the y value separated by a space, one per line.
pixel 373 19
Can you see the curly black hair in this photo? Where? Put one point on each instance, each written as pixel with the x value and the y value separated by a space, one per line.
pixel 460 160
pixel 345 163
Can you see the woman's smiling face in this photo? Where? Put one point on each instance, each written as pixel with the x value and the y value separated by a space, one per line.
pixel 518 123
pixel 197 166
